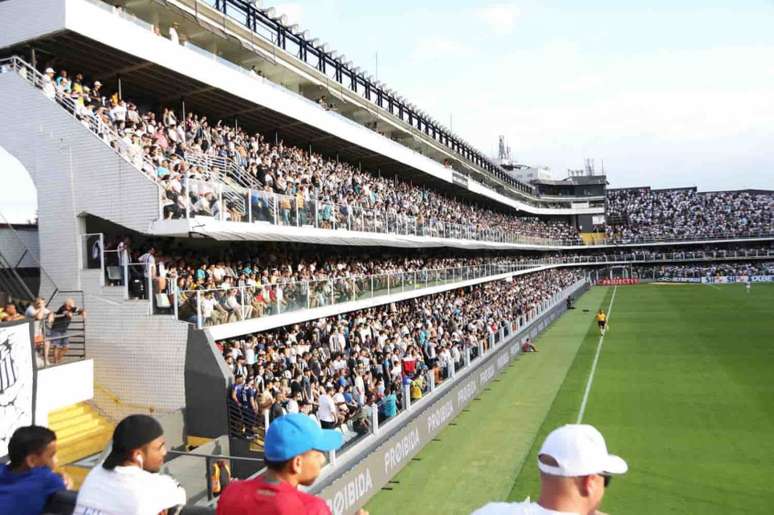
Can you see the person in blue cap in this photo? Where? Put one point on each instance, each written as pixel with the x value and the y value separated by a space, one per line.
pixel 294 450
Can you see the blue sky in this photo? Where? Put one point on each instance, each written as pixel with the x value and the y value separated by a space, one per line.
pixel 666 93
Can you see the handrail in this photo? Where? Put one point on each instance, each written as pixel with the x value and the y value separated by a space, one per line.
pixel 309 294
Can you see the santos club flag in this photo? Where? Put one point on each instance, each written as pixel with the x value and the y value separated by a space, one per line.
pixel 17 380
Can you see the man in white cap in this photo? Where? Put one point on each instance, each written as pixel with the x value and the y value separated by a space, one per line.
pixel 575 468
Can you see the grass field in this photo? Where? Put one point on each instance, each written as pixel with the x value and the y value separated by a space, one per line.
pixel 683 390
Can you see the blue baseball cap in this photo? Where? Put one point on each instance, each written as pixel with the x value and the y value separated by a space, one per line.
pixel 296 433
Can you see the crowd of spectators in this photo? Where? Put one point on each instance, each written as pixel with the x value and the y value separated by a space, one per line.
pixel 339 369
pixel 642 214
pixel 708 270
pixel 175 150
pixel 51 335
pixel 252 281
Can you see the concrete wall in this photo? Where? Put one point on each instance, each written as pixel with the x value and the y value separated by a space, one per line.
pixel 138 358
pixel 63 385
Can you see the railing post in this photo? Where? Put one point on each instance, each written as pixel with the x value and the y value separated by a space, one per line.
pixel 199 321
pixel 274 209
pixel 125 267
pixel 208 473
pixel 432 381
pixel 187 190
pixel 374 418
pixel 250 205
pixel 242 302
pixel 316 210
pixel 406 397
pixel 150 290
pixel 333 457
pixel 175 298
pixel 467 356
pixel 102 259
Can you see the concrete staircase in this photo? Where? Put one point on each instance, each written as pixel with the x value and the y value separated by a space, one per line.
pixel 80 432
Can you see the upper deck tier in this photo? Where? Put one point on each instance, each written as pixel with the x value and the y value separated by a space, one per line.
pixel 115 47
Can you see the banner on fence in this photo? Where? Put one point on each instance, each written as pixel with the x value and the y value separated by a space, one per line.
pixel 17 380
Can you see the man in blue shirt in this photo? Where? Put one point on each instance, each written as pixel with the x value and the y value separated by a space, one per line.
pixel 28 480
pixel 389 405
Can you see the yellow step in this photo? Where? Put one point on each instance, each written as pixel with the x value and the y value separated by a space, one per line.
pixel 99 430
pixel 81 432
pixel 82 449
pixel 74 430
pixel 76 474
pixel 57 416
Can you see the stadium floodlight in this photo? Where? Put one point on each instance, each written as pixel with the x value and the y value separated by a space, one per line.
pixel 325 47
pixel 256 3
pixel 304 34
pixel 314 41
pixel 348 64
pixel 283 20
pixel 294 28
pixel 271 12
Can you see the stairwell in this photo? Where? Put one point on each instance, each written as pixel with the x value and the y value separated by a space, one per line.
pixel 81 432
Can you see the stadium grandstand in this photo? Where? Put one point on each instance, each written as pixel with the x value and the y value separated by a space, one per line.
pixel 236 223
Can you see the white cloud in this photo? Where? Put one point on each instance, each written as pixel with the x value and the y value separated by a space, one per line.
pixel 499 17
pixel 434 47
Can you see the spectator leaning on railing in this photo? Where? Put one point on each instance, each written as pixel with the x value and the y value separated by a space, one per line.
pixel 59 326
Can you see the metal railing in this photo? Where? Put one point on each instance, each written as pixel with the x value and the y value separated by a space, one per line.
pixel 205 307
pixel 197 198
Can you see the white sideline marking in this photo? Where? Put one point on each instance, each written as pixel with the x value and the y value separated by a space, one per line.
pixel 594 363
pixel 713 286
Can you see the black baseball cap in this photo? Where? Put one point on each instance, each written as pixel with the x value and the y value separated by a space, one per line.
pixel 131 433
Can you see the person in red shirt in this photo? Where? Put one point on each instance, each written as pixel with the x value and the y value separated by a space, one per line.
pixel 293 451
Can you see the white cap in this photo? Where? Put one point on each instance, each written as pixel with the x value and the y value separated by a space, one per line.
pixel 579 450
pixel 49 70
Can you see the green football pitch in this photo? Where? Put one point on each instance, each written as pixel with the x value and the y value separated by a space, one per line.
pixel 683 390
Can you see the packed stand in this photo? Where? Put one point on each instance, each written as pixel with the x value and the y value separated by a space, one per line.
pixel 707 270
pixel 642 214
pixel 191 156
pixel 251 282
pixel 341 368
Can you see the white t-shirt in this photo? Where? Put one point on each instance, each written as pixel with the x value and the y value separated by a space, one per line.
pixel 127 491
pixel 517 508
pixel 326 411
